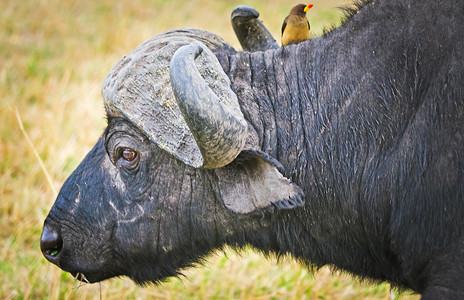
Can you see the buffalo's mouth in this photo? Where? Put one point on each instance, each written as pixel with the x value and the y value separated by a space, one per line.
pixel 85 275
pixel 54 250
pixel 61 252
pixel 81 277
pixel 89 277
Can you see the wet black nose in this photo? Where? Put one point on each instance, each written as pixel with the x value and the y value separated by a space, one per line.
pixel 50 244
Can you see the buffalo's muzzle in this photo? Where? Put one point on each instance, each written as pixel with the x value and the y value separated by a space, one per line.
pixel 51 244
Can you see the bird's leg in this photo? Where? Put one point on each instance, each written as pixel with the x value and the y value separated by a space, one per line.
pixel 250 31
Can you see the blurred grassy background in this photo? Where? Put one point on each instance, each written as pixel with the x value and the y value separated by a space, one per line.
pixel 54 55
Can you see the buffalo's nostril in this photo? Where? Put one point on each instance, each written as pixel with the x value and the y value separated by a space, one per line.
pixel 50 244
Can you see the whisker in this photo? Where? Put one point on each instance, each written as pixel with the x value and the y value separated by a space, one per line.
pixel 83 278
pixel 80 277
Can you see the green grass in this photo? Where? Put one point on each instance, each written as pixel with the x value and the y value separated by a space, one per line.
pixel 54 56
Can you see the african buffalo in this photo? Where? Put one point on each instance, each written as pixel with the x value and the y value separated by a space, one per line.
pixel 344 150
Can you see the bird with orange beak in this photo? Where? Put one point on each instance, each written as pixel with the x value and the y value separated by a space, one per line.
pixel 295 28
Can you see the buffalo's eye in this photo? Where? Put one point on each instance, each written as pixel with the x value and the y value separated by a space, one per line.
pixel 126 158
pixel 129 154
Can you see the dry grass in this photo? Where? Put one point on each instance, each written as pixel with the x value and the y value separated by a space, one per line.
pixel 54 56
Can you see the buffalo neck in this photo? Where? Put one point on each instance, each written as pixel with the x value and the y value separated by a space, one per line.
pixel 300 104
pixel 352 116
pixel 280 99
pixel 330 111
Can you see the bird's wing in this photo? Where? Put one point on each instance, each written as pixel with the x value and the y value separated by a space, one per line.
pixel 284 24
pixel 309 27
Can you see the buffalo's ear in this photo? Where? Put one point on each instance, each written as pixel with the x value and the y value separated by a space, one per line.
pixel 253 182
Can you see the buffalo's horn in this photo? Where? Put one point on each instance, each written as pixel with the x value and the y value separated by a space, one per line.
pixel 250 31
pixel 214 118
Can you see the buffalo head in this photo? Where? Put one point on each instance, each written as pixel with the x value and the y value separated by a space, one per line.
pixel 175 149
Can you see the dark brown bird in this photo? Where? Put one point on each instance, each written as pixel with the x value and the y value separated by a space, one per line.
pixel 295 28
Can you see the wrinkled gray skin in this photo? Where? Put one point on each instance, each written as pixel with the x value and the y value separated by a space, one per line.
pixel 367 121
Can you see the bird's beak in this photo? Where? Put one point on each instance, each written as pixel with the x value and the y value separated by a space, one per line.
pixel 307 7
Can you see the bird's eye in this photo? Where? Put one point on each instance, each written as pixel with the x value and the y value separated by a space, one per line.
pixel 128 154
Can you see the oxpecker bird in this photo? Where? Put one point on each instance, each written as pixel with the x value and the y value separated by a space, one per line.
pixel 295 28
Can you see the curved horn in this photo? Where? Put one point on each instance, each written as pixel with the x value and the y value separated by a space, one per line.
pixel 250 31
pixel 214 118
